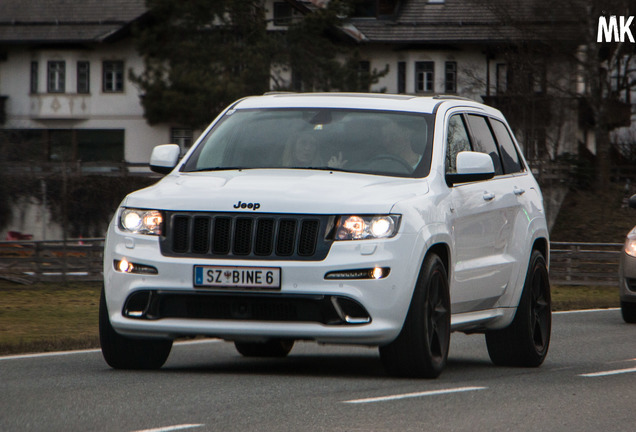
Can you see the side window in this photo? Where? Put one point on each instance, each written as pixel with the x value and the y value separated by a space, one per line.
pixel 456 141
pixel 484 141
pixel 509 155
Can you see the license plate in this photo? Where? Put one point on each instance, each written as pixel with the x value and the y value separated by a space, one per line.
pixel 237 277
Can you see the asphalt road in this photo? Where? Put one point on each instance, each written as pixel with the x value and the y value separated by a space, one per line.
pixel 588 383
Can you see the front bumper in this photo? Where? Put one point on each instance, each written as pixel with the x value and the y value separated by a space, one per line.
pixel 307 306
pixel 627 278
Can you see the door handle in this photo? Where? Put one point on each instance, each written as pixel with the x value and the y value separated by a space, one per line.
pixel 489 196
pixel 518 191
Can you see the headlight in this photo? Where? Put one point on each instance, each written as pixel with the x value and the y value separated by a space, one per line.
pixel 359 227
pixel 139 221
pixel 630 243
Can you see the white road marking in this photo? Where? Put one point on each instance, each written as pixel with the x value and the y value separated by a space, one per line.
pixel 47 354
pixel 414 395
pixel 88 351
pixel 172 428
pixel 608 373
pixel 584 311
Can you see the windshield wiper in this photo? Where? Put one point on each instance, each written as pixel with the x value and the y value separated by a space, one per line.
pixel 319 168
pixel 219 169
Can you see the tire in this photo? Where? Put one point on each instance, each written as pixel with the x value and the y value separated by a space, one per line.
pixel 628 311
pixel 121 352
pixel 421 349
pixel 525 342
pixel 271 348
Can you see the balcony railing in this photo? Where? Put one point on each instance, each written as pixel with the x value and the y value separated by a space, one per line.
pixel 60 106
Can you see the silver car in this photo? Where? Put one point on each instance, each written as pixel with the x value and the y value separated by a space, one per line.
pixel 627 273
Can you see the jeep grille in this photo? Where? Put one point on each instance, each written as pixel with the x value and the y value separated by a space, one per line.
pixel 247 236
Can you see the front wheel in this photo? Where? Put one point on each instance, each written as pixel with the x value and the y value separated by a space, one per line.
pixel 421 349
pixel 525 341
pixel 629 312
pixel 121 352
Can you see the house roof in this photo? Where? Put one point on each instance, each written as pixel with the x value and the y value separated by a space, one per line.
pixel 478 21
pixel 66 21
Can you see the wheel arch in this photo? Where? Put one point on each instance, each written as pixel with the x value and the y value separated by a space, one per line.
pixel 542 245
pixel 442 250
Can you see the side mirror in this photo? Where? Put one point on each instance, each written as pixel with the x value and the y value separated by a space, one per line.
pixel 164 158
pixel 471 166
pixel 632 201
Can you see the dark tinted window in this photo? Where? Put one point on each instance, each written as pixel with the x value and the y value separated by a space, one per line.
pixel 509 155
pixel 483 140
pixel 456 141
pixel 362 141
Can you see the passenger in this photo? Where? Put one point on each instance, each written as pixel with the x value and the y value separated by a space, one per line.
pixel 303 152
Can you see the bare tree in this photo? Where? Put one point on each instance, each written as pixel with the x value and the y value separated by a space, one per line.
pixel 555 60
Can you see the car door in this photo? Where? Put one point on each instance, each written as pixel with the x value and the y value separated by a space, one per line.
pixel 482 219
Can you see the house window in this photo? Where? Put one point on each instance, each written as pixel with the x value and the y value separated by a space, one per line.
pixel 100 145
pixel 424 77
pixel 365 9
pixel 364 74
pixel 297 81
pixel 83 74
pixel 182 137
pixel 401 78
pixel 282 14
pixel 34 77
pixel 450 77
pixel 113 77
pixel 501 84
pixel 56 77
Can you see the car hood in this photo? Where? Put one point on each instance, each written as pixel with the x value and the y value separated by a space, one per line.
pixel 277 191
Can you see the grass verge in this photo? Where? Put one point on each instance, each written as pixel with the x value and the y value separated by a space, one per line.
pixel 56 317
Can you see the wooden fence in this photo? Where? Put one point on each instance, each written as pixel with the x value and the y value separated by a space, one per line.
pixel 44 261
pixel 81 259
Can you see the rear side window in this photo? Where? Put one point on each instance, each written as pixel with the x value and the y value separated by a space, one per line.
pixel 483 140
pixel 509 155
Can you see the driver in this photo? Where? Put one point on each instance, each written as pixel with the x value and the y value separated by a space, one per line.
pixel 398 141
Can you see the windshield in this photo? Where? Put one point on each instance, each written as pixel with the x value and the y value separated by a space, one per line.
pixel 362 141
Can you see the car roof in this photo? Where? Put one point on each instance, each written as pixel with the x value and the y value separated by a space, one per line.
pixel 373 101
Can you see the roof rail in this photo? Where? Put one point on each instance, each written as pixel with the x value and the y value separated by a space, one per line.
pixel 453 97
pixel 272 93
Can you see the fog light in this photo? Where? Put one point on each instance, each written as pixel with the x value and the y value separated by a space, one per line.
pixel 378 273
pixel 371 273
pixel 125 266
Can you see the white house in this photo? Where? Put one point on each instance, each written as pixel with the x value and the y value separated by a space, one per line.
pixel 64 81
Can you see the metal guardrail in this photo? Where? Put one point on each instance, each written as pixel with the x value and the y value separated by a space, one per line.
pixel 81 259
pixel 584 263
pixel 29 261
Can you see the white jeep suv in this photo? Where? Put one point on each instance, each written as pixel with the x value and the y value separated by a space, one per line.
pixel 371 219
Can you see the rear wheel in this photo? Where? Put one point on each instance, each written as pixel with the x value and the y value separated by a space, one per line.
pixel 526 340
pixel 629 312
pixel 421 349
pixel 122 352
pixel 271 348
